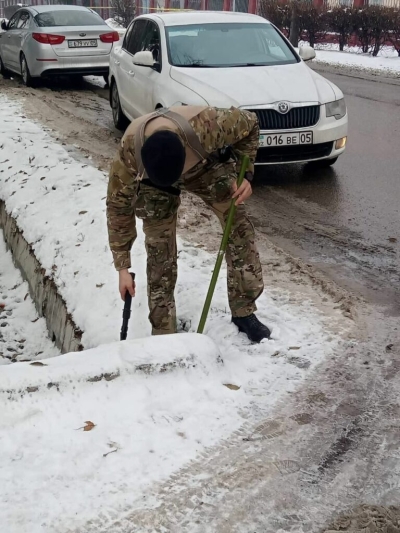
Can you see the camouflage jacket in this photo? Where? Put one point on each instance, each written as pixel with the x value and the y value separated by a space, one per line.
pixel 215 129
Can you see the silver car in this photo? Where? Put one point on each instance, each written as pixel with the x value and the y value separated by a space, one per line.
pixel 43 41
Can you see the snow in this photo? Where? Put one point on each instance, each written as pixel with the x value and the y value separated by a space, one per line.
pixel 55 477
pixel 114 24
pixel 22 334
pixel 387 61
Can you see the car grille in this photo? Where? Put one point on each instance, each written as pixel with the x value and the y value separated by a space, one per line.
pixel 287 154
pixel 297 117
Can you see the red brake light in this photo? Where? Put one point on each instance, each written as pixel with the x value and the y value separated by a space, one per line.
pixel 111 37
pixel 47 38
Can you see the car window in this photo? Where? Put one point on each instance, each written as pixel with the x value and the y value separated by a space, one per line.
pixel 69 17
pixel 13 22
pixel 151 41
pixel 227 45
pixel 136 37
pixel 127 36
pixel 23 21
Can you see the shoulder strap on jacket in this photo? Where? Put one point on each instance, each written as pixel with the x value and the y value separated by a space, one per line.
pixel 190 136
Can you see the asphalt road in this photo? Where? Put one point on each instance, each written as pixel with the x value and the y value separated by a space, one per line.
pixel 345 220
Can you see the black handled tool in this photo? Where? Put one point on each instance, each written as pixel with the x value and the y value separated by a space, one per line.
pixel 126 313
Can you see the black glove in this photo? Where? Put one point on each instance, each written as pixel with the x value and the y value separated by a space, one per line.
pixel 225 154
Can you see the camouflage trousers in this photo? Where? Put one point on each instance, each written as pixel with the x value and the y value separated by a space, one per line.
pixel 158 210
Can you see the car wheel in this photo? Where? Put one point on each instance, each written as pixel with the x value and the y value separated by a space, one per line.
pixel 323 163
pixel 3 70
pixel 119 118
pixel 25 73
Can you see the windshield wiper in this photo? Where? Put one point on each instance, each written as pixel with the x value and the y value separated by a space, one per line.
pixel 200 65
pixel 250 65
pixel 197 65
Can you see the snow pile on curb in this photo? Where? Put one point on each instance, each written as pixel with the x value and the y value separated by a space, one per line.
pixel 110 361
pixel 387 61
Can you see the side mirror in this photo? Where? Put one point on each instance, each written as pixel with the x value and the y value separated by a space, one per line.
pixel 4 25
pixel 143 59
pixel 306 53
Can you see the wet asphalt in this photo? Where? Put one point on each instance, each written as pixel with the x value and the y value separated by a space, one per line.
pixel 345 220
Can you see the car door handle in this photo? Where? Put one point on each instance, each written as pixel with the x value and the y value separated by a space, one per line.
pixel 131 73
pixel 116 62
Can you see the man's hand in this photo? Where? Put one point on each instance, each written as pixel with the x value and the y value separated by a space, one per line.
pixel 243 192
pixel 126 283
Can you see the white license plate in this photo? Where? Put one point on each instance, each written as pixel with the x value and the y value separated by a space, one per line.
pixel 82 43
pixel 286 139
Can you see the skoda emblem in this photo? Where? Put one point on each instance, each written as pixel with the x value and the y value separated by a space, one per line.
pixel 283 107
pixel 82 34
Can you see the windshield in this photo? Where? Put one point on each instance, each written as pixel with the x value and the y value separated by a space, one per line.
pixel 227 45
pixel 68 17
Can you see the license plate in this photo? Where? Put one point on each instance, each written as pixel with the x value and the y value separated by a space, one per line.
pixel 82 43
pixel 286 139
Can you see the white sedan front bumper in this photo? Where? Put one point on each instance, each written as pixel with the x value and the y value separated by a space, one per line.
pixel 326 133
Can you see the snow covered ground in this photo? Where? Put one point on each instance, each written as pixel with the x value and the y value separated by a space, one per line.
pixel 55 476
pixel 22 334
pixel 387 61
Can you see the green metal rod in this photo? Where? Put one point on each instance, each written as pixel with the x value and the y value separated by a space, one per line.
pixel 222 248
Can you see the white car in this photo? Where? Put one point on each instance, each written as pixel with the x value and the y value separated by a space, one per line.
pixel 224 60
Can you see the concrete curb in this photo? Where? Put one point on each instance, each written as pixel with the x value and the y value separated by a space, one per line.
pixel 61 327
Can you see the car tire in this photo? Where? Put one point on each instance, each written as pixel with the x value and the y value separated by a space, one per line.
pixel 3 70
pixel 25 73
pixel 323 163
pixel 120 120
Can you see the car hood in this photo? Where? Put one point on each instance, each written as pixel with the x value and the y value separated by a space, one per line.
pixel 254 86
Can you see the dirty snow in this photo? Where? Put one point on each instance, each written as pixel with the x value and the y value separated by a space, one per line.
pixel 23 335
pixel 54 478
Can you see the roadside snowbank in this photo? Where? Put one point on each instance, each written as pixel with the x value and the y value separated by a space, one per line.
pixel 53 478
pixel 110 361
pixel 387 61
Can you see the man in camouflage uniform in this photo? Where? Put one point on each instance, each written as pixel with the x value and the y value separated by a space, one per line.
pixel 158 157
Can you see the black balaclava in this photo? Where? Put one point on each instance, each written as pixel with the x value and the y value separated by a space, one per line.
pixel 163 157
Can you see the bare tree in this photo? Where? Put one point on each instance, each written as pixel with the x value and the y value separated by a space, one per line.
pixel 342 21
pixel 374 24
pixel 124 11
pixel 278 14
pixel 394 33
pixel 313 20
pixel 294 32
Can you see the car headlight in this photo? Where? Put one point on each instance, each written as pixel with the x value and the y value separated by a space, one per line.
pixel 336 109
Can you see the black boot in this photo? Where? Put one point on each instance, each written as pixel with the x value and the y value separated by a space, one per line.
pixel 254 329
